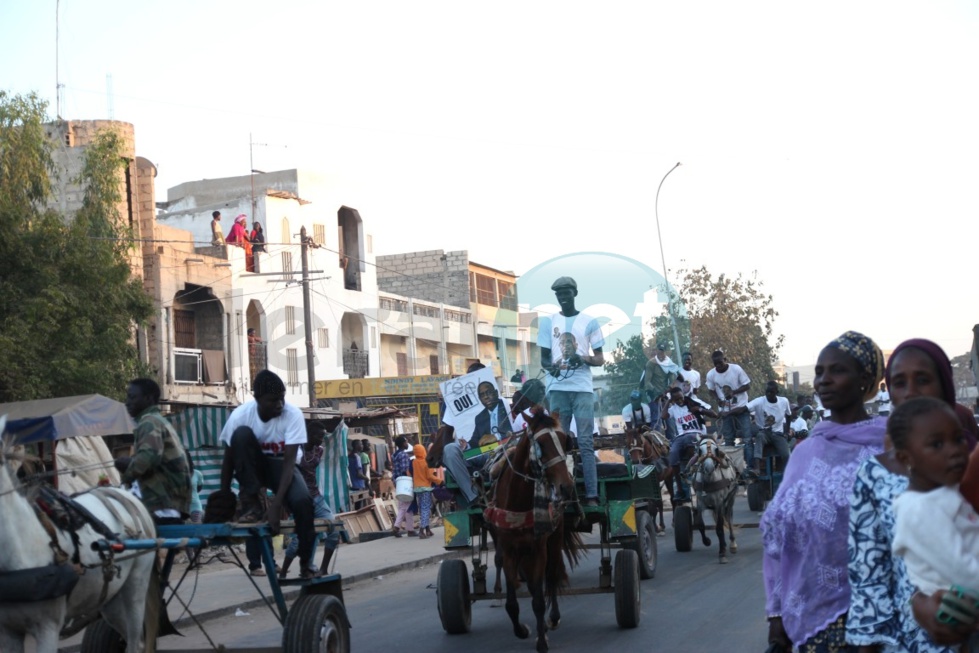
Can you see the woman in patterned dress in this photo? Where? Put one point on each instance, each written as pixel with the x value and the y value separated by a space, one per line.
pixel 804 529
pixel 882 597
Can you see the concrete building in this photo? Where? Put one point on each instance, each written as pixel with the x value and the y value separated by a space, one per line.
pixel 439 312
pixel 204 326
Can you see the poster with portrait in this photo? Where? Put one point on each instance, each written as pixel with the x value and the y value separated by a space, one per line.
pixel 474 407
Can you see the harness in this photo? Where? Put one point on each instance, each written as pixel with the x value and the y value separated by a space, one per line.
pixel 545 514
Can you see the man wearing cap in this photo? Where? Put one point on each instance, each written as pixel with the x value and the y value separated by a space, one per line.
pixel 636 414
pixel 565 339
pixel 658 376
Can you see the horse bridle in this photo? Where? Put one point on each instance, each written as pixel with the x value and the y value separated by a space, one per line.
pixel 535 456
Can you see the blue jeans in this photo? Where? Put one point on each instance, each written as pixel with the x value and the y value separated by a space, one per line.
pixel 461 469
pixel 733 426
pixel 330 540
pixel 581 406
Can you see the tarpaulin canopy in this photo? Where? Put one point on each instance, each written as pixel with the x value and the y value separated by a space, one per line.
pixel 65 417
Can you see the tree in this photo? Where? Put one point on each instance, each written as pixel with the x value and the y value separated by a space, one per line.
pixel 623 368
pixel 68 299
pixel 728 313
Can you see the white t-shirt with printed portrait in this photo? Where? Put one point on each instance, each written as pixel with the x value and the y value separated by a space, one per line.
pixel 768 414
pixel 732 378
pixel 273 435
pixel 690 383
pixel 564 336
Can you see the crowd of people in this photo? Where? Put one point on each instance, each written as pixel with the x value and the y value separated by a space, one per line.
pixel 869 544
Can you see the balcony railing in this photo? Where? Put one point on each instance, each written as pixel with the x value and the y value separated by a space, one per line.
pixel 355 363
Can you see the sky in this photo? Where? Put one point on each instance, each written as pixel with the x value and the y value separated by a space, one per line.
pixel 832 148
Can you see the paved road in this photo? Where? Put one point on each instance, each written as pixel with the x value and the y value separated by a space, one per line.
pixel 693 605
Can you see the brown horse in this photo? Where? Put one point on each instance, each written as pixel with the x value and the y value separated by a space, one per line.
pixel 527 514
pixel 649 447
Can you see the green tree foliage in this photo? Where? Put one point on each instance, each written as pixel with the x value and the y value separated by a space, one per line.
pixel 68 299
pixel 623 367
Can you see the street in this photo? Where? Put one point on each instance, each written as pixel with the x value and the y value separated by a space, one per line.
pixel 693 604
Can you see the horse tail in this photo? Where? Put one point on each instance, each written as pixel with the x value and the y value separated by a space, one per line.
pixel 572 545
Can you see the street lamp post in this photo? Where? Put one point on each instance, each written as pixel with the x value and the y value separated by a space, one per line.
pixel 669 292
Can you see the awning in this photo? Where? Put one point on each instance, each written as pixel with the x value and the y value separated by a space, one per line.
pixel 65 417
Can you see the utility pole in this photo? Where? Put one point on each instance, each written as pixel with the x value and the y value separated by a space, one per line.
pixel 308 320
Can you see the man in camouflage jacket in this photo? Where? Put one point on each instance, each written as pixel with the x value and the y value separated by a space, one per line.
pixel 159 464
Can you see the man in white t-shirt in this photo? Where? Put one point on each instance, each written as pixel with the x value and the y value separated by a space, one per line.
pixel 262 446
pixel 691 377
pixel 883 400
pixel 636 414
pixel 684 412
pixel 570 345
pixel 772 415
pixel 729 384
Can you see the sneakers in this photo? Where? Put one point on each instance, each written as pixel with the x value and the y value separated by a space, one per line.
pixel 590 502
pixel 257 572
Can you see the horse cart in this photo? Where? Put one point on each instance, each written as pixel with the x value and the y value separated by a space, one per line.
pixel 763 487
pixel 316 621
pixel 629 496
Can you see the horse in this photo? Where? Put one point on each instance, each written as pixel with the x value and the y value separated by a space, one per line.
pixel 649 447
pixel 72 583
pixel 715 480
pixel 531 484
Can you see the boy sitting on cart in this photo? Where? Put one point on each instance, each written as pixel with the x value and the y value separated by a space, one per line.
pixel 263 439
pixel 684 411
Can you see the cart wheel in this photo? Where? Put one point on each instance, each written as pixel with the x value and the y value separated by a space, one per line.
pixel 100 637
pixel 455 606
pixel 756 496
pixel 645 545
pixel 316 622
pixel 627 594
pixel 683 528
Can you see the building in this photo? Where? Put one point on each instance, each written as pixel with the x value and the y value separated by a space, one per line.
pixel 210 298
pixel 440 312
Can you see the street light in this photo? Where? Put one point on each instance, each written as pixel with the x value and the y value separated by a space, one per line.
pixel 669 300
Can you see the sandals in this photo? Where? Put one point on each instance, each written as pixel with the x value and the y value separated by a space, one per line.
pixel 396 531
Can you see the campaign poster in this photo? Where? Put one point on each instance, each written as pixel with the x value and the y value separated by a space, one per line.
pixel 473 403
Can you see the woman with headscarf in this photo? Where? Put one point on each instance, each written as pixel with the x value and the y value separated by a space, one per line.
pixel 239 236
pixel 804 529
pixel 882 596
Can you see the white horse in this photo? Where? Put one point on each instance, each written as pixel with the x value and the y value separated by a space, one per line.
pixel 115 586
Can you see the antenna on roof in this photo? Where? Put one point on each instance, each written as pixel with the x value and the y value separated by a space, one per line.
pixel 59 88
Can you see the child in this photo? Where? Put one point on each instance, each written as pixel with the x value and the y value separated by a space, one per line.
pixel 424 479
pixel 936 530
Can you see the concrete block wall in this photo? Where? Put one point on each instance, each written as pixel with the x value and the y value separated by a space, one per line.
pixel 432 275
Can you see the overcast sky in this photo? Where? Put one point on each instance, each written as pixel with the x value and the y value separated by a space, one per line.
pixel 833 147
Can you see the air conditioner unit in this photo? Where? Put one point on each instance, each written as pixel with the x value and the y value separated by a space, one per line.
pixel 187 366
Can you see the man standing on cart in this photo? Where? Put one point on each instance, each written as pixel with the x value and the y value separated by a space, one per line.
pixel 263 439
pixel 636 414
pixel 565 339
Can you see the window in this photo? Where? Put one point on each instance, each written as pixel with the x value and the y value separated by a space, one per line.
pixel 287 261
pixel 485 290
pixel 389 304
pixel 507 294
pixel 286 231
pixel 290 320
pixel 292 366
pixel 319 234
pixel 184 329
pixel 373 337
pixel 402 364
pixel 433 364
pixel 324 338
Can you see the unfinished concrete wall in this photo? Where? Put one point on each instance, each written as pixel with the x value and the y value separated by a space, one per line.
pixel 433 275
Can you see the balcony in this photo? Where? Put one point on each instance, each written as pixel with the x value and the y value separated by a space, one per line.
pixel 355 363
pixel 198 366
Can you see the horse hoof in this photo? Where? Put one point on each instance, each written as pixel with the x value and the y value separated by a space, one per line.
pixel 496 603
pixel 552 625
pixel 522 631
pixel 734 547
pixel 542 645
pixel 661 533
pixel 706 541
pixel 723 560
